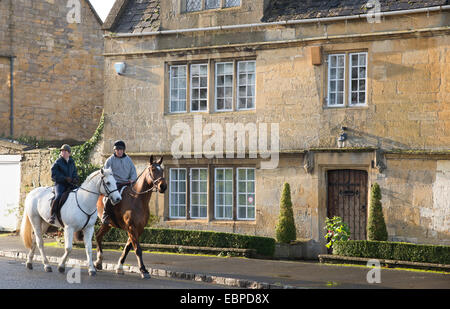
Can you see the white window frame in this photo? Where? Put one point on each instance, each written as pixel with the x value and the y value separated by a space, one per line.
pixel 336 80
pixel 178 205
pixel 216 78
pixel 199 88
pixel 247 85
pixel 199 181
pixel 246 206
pixel 216 213
pixel 171 111
pixel 350 79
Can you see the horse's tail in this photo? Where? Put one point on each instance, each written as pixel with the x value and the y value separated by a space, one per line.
pixel 25 231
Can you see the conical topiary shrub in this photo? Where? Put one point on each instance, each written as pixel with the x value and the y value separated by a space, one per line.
pixel 285 230
pixel 376 227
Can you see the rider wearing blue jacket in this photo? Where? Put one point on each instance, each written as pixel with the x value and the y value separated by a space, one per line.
pixel 65 176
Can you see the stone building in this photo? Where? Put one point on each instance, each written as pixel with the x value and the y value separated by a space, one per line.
pixel 51 88
pixel 241 96
pixel 51 69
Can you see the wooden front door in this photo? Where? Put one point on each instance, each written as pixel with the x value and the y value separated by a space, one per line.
pixel 347 198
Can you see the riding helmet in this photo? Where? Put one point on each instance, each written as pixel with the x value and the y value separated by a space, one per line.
pixel 66 148
pixel 119 145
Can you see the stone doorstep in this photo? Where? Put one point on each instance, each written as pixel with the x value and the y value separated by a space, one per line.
pixel 178 248
pixel 232 282
pixel 334 259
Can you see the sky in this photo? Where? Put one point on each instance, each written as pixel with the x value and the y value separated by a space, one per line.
pixel 102 7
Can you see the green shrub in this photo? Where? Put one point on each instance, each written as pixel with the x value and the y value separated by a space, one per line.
pixel 285 229
pixel 376 227
pixel 263 245
pixel 336 230
pixel 393 251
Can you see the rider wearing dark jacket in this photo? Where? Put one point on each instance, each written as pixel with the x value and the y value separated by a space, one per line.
pixel 65 176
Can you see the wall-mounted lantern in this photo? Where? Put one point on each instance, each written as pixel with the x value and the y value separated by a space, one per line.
pixel 342 139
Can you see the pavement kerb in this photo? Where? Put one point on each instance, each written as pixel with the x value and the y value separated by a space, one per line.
pixel 219 280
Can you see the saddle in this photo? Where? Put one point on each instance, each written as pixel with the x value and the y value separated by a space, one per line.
pixel 60 204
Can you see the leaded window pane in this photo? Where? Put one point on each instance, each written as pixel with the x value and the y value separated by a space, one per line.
pixel 193 5
pixel 232 3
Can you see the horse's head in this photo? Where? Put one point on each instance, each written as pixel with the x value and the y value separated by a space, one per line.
pixel 108 186
pixel 155 175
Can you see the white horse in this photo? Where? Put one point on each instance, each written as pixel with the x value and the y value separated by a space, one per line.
pixel 79 213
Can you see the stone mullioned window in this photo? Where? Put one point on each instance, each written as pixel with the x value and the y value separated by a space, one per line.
pixel 232 192
pixel 201 5
pixel 346 79
pixel 231 83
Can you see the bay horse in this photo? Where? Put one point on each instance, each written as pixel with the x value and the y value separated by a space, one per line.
pixel 78 214
pixel 132 214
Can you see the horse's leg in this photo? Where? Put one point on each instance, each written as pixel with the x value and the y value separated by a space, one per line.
pixel 36 223
pixel 68 239
pixel 99 237
pixel 127 249
pixel 29 263
pixel 88 232
pixel 138 251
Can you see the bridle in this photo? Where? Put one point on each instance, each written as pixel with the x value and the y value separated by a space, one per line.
pixel 102 183
pixel 108 192
pixel 155 182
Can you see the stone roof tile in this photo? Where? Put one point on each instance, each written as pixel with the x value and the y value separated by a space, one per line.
pixel 279 10
pixel 139 16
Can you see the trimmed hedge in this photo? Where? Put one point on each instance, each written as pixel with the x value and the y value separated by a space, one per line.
pixel 393 251
pixel 263 245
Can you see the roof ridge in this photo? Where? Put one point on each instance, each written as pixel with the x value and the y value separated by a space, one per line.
pixel 94 11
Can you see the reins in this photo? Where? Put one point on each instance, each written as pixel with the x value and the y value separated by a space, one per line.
pixel 153 188
pixel 96 193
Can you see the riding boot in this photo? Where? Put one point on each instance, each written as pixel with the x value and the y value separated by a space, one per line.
pixel 106 211
pixel 54 205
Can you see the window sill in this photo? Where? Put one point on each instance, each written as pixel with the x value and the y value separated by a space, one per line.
pixel 346 107
pixel 231 112
pixel 175 221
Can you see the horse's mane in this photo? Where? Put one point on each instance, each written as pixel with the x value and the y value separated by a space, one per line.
pixel 94 174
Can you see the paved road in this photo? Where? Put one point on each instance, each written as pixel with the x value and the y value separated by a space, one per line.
pixel 287 273
pixel 14 275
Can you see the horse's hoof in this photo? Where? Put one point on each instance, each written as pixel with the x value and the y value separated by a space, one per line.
pixel 145 276
pixel 48 269
pixel 61 269
pixel 98 266
pixel 119 271
pixel 29 266
pixel 92 273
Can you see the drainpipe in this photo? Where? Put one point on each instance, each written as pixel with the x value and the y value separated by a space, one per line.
pixel 11 96
pixel 11 93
